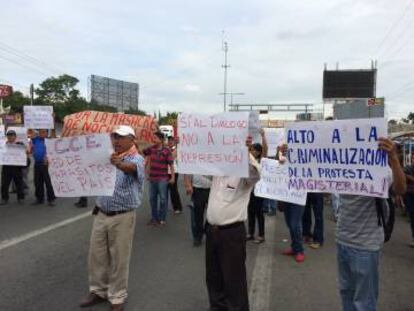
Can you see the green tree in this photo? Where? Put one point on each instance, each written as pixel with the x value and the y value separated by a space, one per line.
pixel 55 91
pixel 16 102
pixel 136 111
pixel 169 119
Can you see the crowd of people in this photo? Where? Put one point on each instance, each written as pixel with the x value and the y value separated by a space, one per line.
pixel 220 207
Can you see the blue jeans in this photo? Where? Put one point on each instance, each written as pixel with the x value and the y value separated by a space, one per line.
pixel 158 189
pixel 314 203
pixel 269 206
pixel 293 217
pixel 358 278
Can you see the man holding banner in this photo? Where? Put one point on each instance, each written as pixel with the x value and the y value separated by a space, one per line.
pixel 114 224
pixel 360 237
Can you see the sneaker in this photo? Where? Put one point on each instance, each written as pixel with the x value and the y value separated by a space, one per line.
pixel 152 223
pixel 288 252
pixel 177 212
pixel 4 202
pixel 259 240
pixel 80 204
pixel 411 244
pixel 37 202
pixel 315 245
pixel 249 237
pixel 162 223
pixel 300 257
pixel 51 203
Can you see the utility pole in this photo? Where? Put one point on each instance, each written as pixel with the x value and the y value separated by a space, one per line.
pixel 31 94
pixel 225 66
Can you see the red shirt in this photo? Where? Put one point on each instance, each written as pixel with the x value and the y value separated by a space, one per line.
pixel 160 159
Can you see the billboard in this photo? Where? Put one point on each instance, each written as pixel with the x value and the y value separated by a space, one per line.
pixel 349 83
pixel 119 94
pixel 5 90
pixel 358 109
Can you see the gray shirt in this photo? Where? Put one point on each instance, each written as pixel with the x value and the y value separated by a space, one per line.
pixel 357 224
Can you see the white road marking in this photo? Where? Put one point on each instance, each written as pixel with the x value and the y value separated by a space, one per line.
pixel 11 242
pixel 262 271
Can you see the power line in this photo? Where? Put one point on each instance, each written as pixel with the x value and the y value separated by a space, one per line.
pixel 394 25
pixel 23 65
pixel 28 58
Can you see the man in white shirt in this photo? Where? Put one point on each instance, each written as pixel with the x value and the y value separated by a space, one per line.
pixel 226 240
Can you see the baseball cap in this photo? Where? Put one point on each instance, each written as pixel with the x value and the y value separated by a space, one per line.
pixel 11 132
pixel 124 130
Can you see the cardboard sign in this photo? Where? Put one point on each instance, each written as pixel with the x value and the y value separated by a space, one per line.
pixel 274 183
pixel 21 134
pixel 213 144
pixel 92 122
pixel 275 137
pixel 339 156
pixel 38 117
pixel 12 154
pixel 254 127
pixel 80 166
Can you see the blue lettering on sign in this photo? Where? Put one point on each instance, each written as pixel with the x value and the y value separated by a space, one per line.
pixel 335 136
pixel 300 136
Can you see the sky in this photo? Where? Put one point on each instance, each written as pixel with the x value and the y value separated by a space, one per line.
pixel 173 49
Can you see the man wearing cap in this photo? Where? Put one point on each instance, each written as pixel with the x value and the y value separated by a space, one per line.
pixel 12 172
pixel 114 224
pixel 161 172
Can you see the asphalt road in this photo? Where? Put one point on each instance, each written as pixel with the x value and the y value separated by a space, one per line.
pixel 49 270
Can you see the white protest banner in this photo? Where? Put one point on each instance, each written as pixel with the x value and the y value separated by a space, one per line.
pixel 80 165
pixel 12 154
pixel 275 137
pixel 213 144
pixel 254 127
pixel 340 156
pixel 21 134
pixel 274 183
pixel 38 117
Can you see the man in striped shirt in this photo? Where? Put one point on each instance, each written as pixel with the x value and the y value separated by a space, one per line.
pixel 160 168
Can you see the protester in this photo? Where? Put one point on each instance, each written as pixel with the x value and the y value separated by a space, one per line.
pixel 226 240
pixel 293 218
pixel 11 173
pixel 159 162
pixel 314 202
pixel 41 172
pixel 114 225
pixel 173 187
pixel 198 187
pixel 409 196
pixel 82 202
pixel 255 207
pixel 360 237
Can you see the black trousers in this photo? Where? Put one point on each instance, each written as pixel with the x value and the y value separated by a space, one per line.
pixel 11 173
pixel 175 195
pixel 255 211
pixel 226 268
pixel 42 179
pixel 200 200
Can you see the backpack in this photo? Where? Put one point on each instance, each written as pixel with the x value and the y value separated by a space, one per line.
pixel 382 206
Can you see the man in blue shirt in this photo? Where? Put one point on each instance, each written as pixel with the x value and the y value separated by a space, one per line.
pixel 41 172
pixel 114 224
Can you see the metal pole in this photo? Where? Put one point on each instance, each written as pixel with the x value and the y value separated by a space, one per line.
pixel 31 94
pixel 225 66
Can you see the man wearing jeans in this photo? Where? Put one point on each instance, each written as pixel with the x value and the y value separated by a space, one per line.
pixel 359 239
pixel 159 163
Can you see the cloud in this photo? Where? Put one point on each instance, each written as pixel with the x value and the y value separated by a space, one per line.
pixel 277 49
